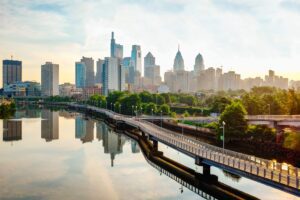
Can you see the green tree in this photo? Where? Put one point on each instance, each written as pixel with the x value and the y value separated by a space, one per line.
pixel 113 97
pixel 219 104
pixel 146 97
pixel 151 108
pixel 129 102
pixel 167 97
pixel 158 99
pixel 164 109
pixel 234 118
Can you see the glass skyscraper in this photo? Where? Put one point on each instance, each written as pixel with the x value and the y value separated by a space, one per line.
pixel 80 74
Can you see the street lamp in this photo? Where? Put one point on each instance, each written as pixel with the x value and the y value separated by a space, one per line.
pixel 111 106
pixel 152 114
pixel 269 109
pixel 132 110
pixel 120 108
pixel 223 127
pixel 161 119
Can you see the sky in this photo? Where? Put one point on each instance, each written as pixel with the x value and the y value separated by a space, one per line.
pixel 247 36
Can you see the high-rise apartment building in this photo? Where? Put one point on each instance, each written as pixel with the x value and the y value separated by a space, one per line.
pixel 11 72
pixel 49 79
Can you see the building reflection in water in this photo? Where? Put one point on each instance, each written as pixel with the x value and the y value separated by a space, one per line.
pixel 84 129
pixel 67 114
pixel 50 125
pixel 112 142
pixel 12 130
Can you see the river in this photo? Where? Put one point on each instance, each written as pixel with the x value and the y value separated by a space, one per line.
pixel 65 155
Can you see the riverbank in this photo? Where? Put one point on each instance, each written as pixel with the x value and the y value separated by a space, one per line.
pixel 7 108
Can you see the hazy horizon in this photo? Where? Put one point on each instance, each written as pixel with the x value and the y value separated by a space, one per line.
pixel 247 37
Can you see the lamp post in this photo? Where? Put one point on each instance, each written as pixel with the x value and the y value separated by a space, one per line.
pixel 120 108
pixel 161 119
pixel 111 106
pixel 132 110
pixel 152 114
pixel 223 126
pixel 269 109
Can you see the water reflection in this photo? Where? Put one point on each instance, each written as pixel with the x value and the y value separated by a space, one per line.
pixel 12 130
pixel 91 163
pixel 50 125
pixel 84 129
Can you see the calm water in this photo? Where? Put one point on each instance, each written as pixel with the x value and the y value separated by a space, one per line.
pixel 63 155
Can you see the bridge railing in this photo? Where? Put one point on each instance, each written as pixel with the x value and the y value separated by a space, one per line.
pixel 268 172
pixel 273 117
pixel 268 169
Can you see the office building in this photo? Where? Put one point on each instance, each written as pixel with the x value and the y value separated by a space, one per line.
pixel 116 50
pixel 178 62
pixel 89 71
pixel 199 64
pixel 11 72
pixel 136 58
pixel 80 74
pixel 49 79
pixel 99 73
pixel 26 88
pixel 113 75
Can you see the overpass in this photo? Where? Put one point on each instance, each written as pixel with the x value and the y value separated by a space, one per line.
pixel 274 121
pixel 278 175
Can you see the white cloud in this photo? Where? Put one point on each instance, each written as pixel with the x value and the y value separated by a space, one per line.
pixel 247 36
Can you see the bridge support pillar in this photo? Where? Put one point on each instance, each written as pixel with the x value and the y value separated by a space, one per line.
pixel 155 145
pixel 206 168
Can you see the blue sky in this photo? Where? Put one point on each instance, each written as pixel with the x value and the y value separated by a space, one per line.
pixel 249 37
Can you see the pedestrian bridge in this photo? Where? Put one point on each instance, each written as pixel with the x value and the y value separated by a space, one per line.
pixel 274 120
pixel 279 175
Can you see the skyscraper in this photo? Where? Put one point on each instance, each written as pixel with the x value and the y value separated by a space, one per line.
pixel 49 79
pixel 99 73
pixel 178 62
pixel 149 60
pixel 113 75
pixel 116 50
pixel 89 71
pixel 199 64
pixel 11 72
pixel 80 74
pixel 126 66
pixel 151 70
pixel 136 58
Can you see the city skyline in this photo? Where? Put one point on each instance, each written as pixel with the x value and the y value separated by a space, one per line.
pixel 262 38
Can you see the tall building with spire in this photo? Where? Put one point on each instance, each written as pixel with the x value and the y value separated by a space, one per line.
pixel 116 50
pixel 178 62
pixel 199 64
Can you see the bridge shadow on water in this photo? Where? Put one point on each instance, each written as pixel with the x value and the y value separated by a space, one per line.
pixel 204 184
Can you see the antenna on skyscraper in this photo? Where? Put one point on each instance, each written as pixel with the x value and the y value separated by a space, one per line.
pixel 178 47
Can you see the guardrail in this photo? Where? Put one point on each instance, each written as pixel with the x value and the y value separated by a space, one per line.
pixel 277 172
